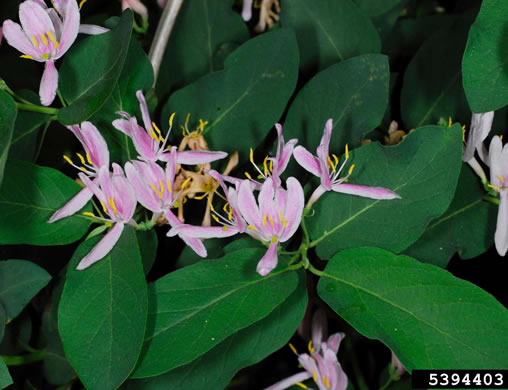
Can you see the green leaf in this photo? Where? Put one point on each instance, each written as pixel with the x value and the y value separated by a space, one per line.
pixel 148 242
pixel 485 62
pixel 354 93
pixel 8 114
pixel 329 31
pixel 467 227
pixel 91 70
pixel 29 196
pixel 20 281
pixel 193 309
pixel 214 248
pixel 18 333
pixel 243 102
pixel 432 87
pixel 197 40
pixel 5 377
pixel 215 369
pixel 102 313
pixel 375 8
pixel 423 170
pixel 3 319
pixel 426 316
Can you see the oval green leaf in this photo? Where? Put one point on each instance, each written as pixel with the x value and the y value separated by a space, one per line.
pixel 425 315
pixel 242 102
pixel 91 70
pixel 329 31
pixel 29 196
pixel 423 169
pixel 195 308
pixel 8 113
pixel 102 313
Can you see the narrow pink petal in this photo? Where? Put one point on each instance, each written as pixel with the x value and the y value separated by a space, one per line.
pixel 73 206
pixel 309 364
pixel 334 341
pixel 285 156
pixel 307 161
pixel 70 27
pixel 399 367
pixel 269 261
pixel 92 29
pixel 319 328
pixel 95 145
pixel 203 231
pixel 144 110
pixel 124 197
pixel 123 125
pixel 365 191
pixel 136 6
pixel 102 248
pixel 248 206
pixel 57 22
pixel 501 235
pixel 144 193
pixel 171 169
pixel 162 3
pixel 481 124
pixel 143 143
pixel 290 381
pixel 35 20
pixel 247 10
pixel 117 169
pixel 294 208
pixel 49 84
pixel 18 40
pixel 194 243
pixel 266 200
pixel 93 186
pixel 198 157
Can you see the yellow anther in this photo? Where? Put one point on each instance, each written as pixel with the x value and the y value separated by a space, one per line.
pixel 494 187
pixel 281 217
pixel 265 165
pixel 162 186
pixel 50 36
pixel 285 223
pixel 501 137
pixel 81 3
pixel 153 135
pixel 274 240
pixel 44 40
pixel 27 57
pixel 156 128
pixel 310 347
pixel 314 376
pixel 111 202
pixel 264 220
pixel 84 169
pixel 230 213
pixel 68 159
pixel 225 208
pixel 225 228
pixel 176 204
pixel 183 130
pixel 215 217
pixel 450 122
pixel 330 164
pixel 293 348
pixel 326 381
pixel 500 178
pixel 347 152
pixel 202 124
pixel 335 159
pixel 57 44
pixel 171 119
pixel 88 214
pixel 81 158
pixel 271 221
pixel 351 169
pixel 34 40
pixel 251 155
pixel 252 227
pixel 103 206
pixel 210 203
pixel 45 56
pixel 187 118
pixel 88 159
pixel 463 133
pixel 156 190
pixel 248 176
pixel 169 186
pixel 271 165
pixel 186 182
pixel 200 197
pixel 300 384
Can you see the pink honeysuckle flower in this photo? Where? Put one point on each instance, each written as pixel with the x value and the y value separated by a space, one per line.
pixel 247 10
pixel 231 224
pixel 276 218
pixel 151 145
pixel 137 6
pixel 498 162
pixel 481 123
pixel 320 364
pixel 96 157
pixel 118 201
pixel 328 171
pixel 45 35
pixel 155 190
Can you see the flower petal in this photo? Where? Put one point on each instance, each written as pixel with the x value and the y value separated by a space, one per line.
pixel 95 144
pixel 365 191
pixel 145 195
pixel 194 243
pixel 334 341
pixel 70 27
pixel 203 231
pixel 481 124
pixel 197 157
pixel 501 235
pixel 145 114
pixel 247 10
pixel 269 261
pixel 102 248
pixel 248 206
pixel 495 152
pixel 290 381
pixel 73 206
pixel 307 160
pixel 18 40
pixel 49 84
pixel 294 208
pixel 92 29
pixel 319 328
pixel 124 196
pixel 123 125
pixel 35 20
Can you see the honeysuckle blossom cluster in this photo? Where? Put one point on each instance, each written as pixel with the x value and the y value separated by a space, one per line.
pixel 45 35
